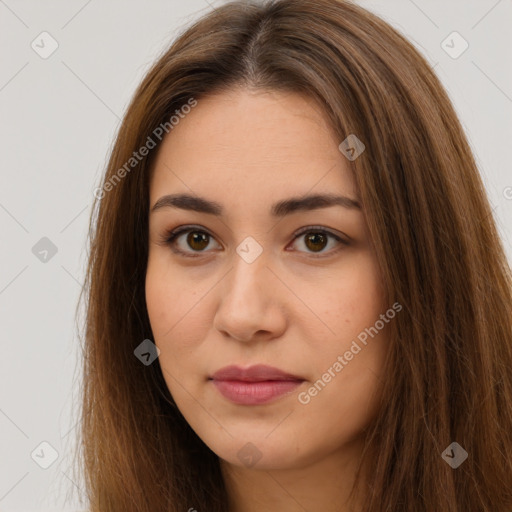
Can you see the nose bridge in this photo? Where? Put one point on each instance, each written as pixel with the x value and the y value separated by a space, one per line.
pixel 247 298
pixel 249 272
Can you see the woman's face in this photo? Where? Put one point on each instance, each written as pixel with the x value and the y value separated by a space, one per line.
pixel 294 286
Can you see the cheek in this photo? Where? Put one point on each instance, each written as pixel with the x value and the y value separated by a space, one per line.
pixel 170 298
pixel 178 312
pixel 351 301
pixel 350 305
pixel 159 303
pixel 164 310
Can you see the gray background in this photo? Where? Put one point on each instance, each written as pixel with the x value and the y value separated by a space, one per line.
pixel 59 116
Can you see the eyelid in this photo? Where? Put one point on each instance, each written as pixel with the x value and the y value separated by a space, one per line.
pixel 170 236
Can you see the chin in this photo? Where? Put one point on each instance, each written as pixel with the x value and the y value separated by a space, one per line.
pixel 260 453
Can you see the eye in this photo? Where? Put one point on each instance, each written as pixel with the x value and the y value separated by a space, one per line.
pixel 196 239
pixel 315 239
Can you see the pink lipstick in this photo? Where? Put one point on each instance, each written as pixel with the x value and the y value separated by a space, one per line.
pixel 254 385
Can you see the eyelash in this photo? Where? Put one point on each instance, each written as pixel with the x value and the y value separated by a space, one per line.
pixel 169 238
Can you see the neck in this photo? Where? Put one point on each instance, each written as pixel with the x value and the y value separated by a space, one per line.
pixel 320 485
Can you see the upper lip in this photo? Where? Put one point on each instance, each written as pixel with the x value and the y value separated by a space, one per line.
pixel 256 373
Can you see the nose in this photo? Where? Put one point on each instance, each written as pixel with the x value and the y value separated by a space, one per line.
pixel 250 306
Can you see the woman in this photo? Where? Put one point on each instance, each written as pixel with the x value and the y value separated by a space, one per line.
pixel 297 297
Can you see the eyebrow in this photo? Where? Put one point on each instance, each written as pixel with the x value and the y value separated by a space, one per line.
pixel 279 209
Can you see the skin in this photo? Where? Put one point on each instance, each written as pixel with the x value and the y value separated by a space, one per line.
pixel 288 308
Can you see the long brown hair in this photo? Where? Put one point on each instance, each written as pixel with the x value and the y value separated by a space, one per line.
pixel 449 377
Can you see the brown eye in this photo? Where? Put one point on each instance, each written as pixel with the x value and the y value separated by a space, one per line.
pixel 193 244
pixel 316 241
pixel 197 240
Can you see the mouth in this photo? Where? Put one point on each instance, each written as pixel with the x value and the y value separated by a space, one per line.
pixel 255 385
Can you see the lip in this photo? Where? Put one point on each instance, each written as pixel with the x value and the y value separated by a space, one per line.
pixel 256 373
pixel 254 385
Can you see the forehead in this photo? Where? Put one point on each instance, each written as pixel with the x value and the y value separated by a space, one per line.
pixel 257 145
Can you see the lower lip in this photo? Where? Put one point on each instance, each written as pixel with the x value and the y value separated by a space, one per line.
pixel 254 393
